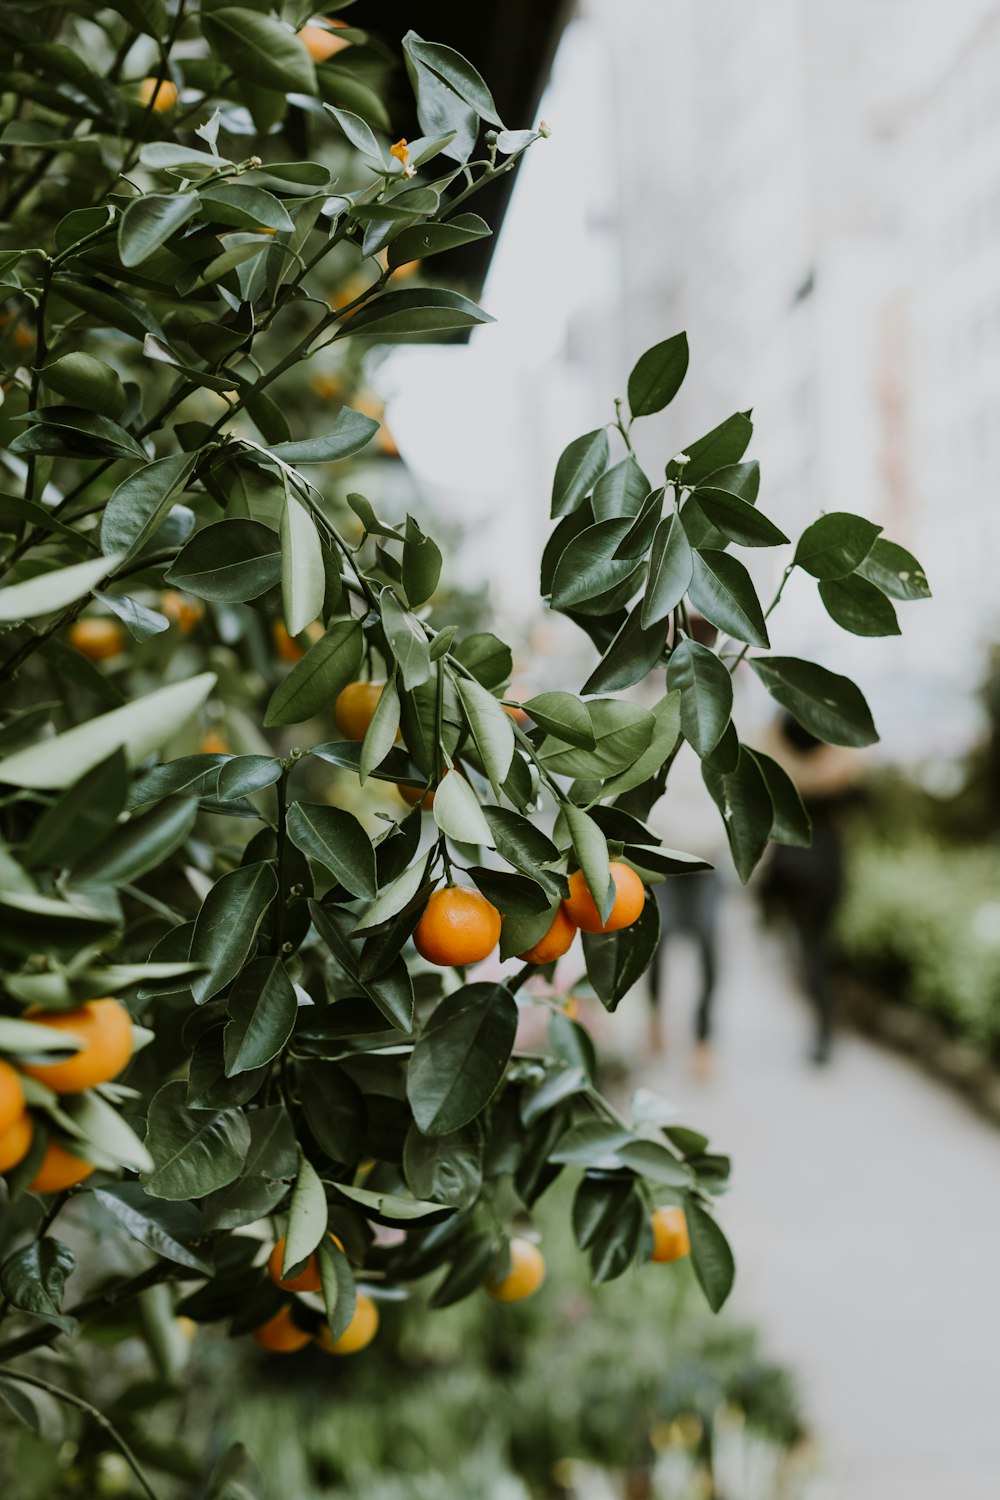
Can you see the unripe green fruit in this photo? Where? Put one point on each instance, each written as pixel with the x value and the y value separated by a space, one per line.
pixel 88 382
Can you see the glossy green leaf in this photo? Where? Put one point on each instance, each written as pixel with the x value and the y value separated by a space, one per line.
pixel 858 606
pixel 632 655
pixel 33 1280
pixel 244 207
pixel 380 736
pixel 744 803
pixel 710 1254
pixel 724 446
pixel 486 657
pixel 314 682
pixel 351 432
pixel 259 49
pixel 790 824
pixel 564 716
pixel 722 590
pixel 460 1057
pixel 173 1231
pixel 588 567
pixel 226 926
pixel 335 1109
pixel 81 819
pixel 895 571
pixel 458 813
pixel 86 381
pixel 307 1216
pixel 148 223
pixel 53 590
pixel 491 730
pixel 834 545
pixel 395 317
pixel 303 578
pixel 444 1168
pixel 738 520
pixel 580 466
pixel 671 567
pixel 228 561
pixel 138 728
pixel 591 850
pixel 262 1009
pixel 194 1151
pixel 706 690
pixel 141 844
pixel 407 639
pixel 458 73
pixel 616 961
pixel 423 240
pixel 657 376
pixel 141 503
pixel 620 491
pixel 830 706
pixel 336 840
pixel 337 1285
pixel 421 565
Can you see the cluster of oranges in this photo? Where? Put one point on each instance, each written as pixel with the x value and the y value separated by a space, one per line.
pixel 104 1029
pixel 459 925
pixel 282 1335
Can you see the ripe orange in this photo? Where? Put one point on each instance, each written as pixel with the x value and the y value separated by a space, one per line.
pixel 24 337
pixel 459 926
pixel 670 1235
pixel 355 706
pixel 526 1274
pixel 214 743
pixel 166 95
pixel 320 43
pixel 517 713
pixel 181 611
pixel 327 387
pixel 285 645
pixel 308 1279
pixel 15 1142
pixel 359 1332
pixel 97 637
pixel 59 1170
pixel 281 1334
pixel 415 794
pixel 11 1097
pixel 105 1028
pixel 630 898
pixel 555 943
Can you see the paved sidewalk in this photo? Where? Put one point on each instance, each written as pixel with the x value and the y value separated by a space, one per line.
pixel 865 1214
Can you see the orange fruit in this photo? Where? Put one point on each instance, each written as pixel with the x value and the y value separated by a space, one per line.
pixel 97 638
pixel 517 713
pixel 24 337
pixel 355 706
pixel 59 1170
pixel 213 743
pixel 11 1097
pixel 630 898
pixel 670 1235
pixel 359 1332
pixel 555 943
pixel 386 443
pixel 320 43
pixel 526 1274
pixel 414 794
pixel 181 611
pixel 406 270
pixel 15 1142
pixel 105 1027
pixel 281 1334
pixel 327 387
pixel 285 645
pixel 166 95
pixel 308 1279
pixel 459 926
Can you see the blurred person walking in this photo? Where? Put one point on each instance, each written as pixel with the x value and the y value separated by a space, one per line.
pixel 807 883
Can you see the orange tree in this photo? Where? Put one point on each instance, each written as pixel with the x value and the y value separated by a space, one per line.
pixel 182 188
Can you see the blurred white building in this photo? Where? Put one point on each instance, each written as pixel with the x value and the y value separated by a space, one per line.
pixel 812 189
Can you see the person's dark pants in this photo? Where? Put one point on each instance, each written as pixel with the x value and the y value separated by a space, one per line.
pixel 689 904
pixel 808 883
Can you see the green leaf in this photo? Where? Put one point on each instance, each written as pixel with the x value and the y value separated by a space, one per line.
pixel 486 657
pixel 141 503
pixel 457 811
pixel 226 927
pixel 336 840
pixel 591 849
pixel 671 567
pixel 616 961
pixel 228 561
pixel 722 590
pixel 337 1284
pixel 588 567
pixel 314 682
pixel 457 73
pixel 654 1160
pixel 723 446
pixel 710 1253
pixel 392 991
pixel 518 841
pixel 444 1168
pixel 85 381
pixel 595 1143
pixel 858 606
pixel 657 376
pixel 394 317
pixel 460 1057
pixel 580 466
pixel 54 589
pixel 834 545
pixel 149 222
pixel 620 491
pixel 421 565
pixel 706 690
pixel 241 775
pixel 390 1206
pixel 111 1141
pixel 235 1477
pixel 514 895
pixel 307 1216
pixel 262 1009
pixel 351 432
pixel 173 1231
pixel 81 819
pixel 622 731
pixel 360 135
pixel 380 736
pixel 244 207
pixel 407 640
pixel 423 240
pixel 491 730
pixel 259 49
pixel 790 824
pixel 139 845
pixel 831 707
pixel 738 520
pixel 140 622
pixel 139 728
pixel 631 656
pixel 334 1108
pixel 895 571
pixel 745 804
pixel 639 538
pixel 303 578
pixel 195 1151
pixel 33 1280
